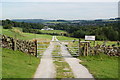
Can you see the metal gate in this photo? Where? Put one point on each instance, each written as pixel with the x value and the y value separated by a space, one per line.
pixel 73 50
pixel 41 47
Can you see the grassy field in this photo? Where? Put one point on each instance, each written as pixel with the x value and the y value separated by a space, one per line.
pixel 91 42
pixel 53 31
pixel 101 66
pixel 65 38
pixel 18 65
pixel 17 32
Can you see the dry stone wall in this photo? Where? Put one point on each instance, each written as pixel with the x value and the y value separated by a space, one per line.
pixel 25 46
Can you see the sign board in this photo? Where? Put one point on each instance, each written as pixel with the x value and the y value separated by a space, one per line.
pixel 90 38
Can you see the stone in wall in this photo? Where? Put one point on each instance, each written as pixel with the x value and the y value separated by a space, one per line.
pixel 21 45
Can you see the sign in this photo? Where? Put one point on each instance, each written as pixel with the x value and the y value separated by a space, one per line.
pixel 90 38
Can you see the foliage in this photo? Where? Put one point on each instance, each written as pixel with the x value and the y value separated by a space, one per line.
pixel 8 26
pixel 102 30
pixel 22 24
pixel 108 31
pixel 28 30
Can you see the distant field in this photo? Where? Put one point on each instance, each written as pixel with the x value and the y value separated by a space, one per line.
pixel 92 42
pixel 28 36
pixel 25 36
pixel 16 64
pixel 53 31
pixel 65 38
pixel 55 22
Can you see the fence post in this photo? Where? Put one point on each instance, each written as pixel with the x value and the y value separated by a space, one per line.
pixel 79 46
pixel 14 40
pixel 94 43
pixel 87 48
pixel 35 48
pixel 15 46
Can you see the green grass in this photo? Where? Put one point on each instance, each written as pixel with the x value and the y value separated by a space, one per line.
pixel 65 38
pixel 53 31
pixel 101 66
pixel 16 32
pixel 29 36
pixel 108 43
pixel 18 65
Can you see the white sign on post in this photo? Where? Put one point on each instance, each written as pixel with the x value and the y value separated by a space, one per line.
pixel 90 38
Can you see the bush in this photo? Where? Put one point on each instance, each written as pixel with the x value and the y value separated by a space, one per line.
pixel 8 26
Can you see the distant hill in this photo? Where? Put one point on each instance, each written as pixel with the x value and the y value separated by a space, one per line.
pixel 39 21
pixel 32 20
pixel 78 22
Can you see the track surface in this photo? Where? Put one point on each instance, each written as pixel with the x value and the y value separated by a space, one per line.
pixel 46 68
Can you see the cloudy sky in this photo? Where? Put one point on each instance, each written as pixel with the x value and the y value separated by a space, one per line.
pixel 59 0
pixel 58 9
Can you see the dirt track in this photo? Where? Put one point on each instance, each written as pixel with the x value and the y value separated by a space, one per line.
pixel 46 67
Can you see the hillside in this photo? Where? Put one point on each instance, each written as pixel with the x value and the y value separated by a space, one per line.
pixel 83 22
pixel 76 29
pixel 17 64
pixel 39 21
pixel 53 31
pixel 17 32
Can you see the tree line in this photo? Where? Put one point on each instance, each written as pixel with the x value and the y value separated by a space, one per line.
pixel 108 31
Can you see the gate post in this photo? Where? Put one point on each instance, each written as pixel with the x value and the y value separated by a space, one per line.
pixel 35 48
pixel 79 46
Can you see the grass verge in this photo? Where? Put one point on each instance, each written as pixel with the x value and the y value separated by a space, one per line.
pixel 101 66
pixel 18 65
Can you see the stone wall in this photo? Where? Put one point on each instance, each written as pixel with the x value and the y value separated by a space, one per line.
pixel 25 46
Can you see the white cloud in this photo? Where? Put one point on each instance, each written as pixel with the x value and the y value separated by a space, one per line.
pixel 60 0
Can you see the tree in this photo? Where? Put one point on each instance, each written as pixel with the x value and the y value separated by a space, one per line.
pixel 8 26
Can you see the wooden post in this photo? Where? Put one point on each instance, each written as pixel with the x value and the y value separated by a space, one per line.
pixel 35 48
pixel 84 49
pixel 79 47
pixel 94 43
pixel 87 49
pixel 15 46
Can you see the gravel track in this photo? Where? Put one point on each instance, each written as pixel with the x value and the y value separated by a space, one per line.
pixel 46 68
